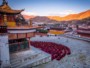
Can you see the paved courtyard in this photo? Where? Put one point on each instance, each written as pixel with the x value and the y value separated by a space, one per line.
pixel 80 53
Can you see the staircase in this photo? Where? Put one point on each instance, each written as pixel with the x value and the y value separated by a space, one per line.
pixel 29 58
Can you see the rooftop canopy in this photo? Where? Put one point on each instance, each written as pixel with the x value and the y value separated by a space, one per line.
pixel 5 8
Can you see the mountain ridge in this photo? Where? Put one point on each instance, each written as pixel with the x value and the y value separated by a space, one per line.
pixel 69 17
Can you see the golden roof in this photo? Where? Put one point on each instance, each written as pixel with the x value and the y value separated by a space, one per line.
pixel 5 8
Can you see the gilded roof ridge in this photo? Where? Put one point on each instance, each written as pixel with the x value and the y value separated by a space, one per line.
pixel 5 8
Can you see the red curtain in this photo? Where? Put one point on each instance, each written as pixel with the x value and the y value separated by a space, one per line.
pixel 1 19
pixel 10 18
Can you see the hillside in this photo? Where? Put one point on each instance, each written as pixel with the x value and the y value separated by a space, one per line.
pixel 78 16
pixel 43 19
pixel 57 19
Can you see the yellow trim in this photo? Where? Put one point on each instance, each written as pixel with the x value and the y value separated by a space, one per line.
pixel 11 24
pixel 56 32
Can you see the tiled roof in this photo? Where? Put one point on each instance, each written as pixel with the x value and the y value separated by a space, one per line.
pixel 5 8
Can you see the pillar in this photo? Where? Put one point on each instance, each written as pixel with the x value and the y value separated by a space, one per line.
pixel 18 43
pixel 30 23
pixel 4 51
pixel 5 19
pixel 28 40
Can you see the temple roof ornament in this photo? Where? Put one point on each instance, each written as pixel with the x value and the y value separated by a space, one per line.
pixel 5 8
pixel 5 2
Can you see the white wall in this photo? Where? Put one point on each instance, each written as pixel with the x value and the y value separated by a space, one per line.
pixel 4 51
pixel 21 31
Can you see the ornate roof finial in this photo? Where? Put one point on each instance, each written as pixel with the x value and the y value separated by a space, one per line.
pixel 5 2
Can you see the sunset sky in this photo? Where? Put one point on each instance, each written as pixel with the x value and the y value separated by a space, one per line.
pixel 50 7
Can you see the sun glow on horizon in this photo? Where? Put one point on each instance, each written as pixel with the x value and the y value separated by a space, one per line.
pixel 61 14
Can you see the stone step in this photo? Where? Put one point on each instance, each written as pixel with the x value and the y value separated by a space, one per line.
pixel 24 57
pixel 21 60
pixel 33 62
pixel 38 60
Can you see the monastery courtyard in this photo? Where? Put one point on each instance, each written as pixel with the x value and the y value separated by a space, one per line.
pixel 24 44
pixel 79 57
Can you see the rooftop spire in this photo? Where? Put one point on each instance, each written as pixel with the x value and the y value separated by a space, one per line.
pixel 5 2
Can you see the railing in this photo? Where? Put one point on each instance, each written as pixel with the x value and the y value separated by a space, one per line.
pixel 14 47
pixel 3 29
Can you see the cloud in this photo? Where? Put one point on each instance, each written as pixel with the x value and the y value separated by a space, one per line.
pixel 59 13
pixel 62 13
pixel 67 12
pixel 29 13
